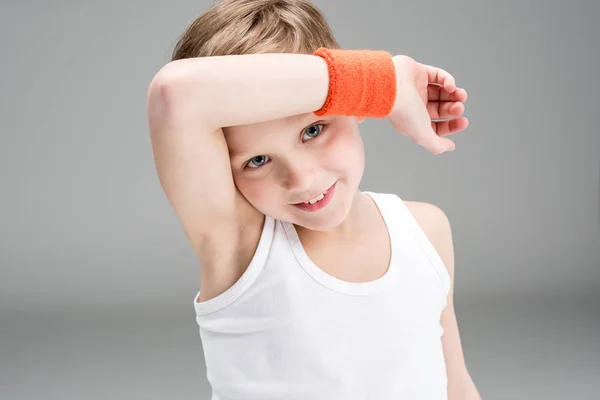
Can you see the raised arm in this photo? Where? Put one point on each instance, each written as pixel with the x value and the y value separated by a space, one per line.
pixel 244 89
pixel 189 101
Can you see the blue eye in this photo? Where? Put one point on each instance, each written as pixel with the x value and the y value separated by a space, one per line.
pixel 257 160
pixel 314 133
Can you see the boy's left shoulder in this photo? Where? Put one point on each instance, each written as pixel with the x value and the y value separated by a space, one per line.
pixel 432 219
pixel 436 225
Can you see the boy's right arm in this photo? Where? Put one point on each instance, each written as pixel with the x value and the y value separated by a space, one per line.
pixel 189 101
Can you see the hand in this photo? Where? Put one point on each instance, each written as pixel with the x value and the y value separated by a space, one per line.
pixel 426 94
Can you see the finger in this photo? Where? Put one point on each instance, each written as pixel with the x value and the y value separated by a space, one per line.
pixel 421 131
pixel 445 128
pixel 445 109
pixel 438 93
pixel 441 77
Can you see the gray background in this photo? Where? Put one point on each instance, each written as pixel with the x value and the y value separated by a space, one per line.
pixel 97 278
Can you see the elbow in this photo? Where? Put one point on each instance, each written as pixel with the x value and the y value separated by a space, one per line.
pixel 163 85
pixel 157 104
pixel 174 93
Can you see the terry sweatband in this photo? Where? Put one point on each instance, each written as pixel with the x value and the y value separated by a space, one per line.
pixel 362 83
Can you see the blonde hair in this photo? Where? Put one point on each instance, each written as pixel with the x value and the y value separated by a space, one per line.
pixel 234 27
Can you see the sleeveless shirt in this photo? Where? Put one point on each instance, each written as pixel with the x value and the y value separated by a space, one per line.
pixel 287 330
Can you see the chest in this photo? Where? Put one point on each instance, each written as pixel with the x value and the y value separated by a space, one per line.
pixel 361 261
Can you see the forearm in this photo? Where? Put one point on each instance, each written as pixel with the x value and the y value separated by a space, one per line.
pixel 465 390
pixel 245 89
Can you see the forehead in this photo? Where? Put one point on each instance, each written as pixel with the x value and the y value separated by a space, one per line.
pixel 244 139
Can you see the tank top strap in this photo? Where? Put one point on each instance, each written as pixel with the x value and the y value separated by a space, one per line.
pixel 402 223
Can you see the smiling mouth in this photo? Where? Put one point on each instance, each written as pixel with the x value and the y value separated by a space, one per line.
pixel 317 198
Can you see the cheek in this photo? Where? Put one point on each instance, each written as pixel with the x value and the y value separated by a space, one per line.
pixel 255 191
pixel 250 190
pixel 346 150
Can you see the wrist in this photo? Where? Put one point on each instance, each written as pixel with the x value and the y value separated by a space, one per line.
pixel 361 82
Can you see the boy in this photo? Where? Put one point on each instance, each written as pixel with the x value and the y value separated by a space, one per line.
pixel 309 288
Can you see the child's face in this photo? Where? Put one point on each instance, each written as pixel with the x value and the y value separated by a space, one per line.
pixel 278 163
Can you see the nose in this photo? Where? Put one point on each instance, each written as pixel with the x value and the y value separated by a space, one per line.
pixel 299 178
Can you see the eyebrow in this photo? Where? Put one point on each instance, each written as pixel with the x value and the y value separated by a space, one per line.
pixel 237 153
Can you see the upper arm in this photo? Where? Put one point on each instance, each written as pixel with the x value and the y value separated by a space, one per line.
pixel 436 226
pixel 194 171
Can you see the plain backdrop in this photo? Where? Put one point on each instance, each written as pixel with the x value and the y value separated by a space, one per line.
pixel 97 278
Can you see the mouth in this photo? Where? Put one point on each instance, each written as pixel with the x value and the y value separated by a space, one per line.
pixel 318 202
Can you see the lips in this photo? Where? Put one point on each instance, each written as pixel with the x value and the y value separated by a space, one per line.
pixel 319 204
pixel 312 197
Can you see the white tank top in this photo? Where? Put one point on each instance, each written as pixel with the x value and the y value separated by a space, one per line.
pixel 287 330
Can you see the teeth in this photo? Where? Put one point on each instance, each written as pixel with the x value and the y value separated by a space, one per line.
pixel 313 201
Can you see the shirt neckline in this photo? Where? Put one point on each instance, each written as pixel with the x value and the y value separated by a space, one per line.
pixel 337 284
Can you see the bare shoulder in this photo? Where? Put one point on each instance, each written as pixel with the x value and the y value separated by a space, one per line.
pixel 432 219
pixel 436 225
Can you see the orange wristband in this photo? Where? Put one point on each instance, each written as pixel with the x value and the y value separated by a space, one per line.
pixel 362 83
